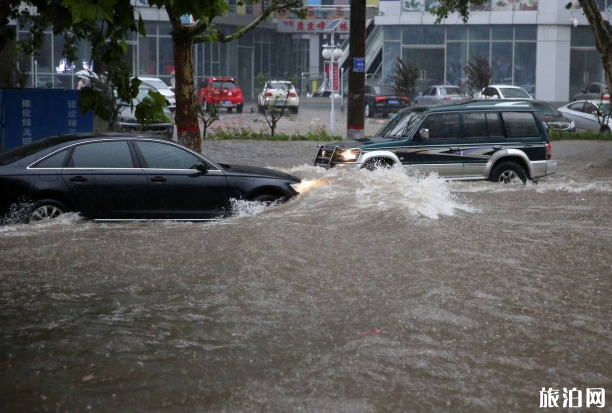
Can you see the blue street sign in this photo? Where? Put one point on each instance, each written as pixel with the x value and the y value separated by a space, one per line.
pixel 359 65
pixel 35 114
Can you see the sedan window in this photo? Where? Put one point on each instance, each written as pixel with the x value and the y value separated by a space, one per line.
pixel 162 156
pixel 576 106
pixel 445 91
pixel 114 154
pixel 54 161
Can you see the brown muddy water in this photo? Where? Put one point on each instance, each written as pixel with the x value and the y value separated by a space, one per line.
pixel 373 292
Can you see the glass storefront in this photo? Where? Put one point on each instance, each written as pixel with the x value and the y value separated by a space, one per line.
pixel 490 5
pixel 259 51
pixel 442 52
pixel 585 60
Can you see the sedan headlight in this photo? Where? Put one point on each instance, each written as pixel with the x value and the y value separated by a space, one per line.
pixel 572 125
pixel 349 155
pixel 297 187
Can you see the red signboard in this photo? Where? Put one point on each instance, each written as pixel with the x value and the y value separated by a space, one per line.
pixel 332 78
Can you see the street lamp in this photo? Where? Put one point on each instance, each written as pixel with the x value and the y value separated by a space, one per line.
pixel 332 53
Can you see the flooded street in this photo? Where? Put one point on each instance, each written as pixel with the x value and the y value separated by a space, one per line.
pixel 372 292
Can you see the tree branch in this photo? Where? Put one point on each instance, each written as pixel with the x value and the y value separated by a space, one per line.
pixel 275 5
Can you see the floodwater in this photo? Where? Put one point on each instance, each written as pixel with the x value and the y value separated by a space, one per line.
pixel 373 292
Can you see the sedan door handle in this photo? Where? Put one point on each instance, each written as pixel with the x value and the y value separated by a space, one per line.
pixel 159 179
pixel 497 147
pixel 78 179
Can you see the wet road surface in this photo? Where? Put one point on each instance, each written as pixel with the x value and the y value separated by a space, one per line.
pixel 373 292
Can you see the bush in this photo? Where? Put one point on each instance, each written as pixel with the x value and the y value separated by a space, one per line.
pixel 555 135
pixel 245 133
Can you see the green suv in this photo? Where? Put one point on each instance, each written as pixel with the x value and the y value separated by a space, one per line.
pixel 503 141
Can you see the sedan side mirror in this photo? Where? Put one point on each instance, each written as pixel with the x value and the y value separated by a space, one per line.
pixel 424 134
pixel 202 167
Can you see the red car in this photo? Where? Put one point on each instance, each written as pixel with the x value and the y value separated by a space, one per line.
pixel 221 91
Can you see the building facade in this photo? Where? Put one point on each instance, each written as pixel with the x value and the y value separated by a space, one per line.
pixel 536 44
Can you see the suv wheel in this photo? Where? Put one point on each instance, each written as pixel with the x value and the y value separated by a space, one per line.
pixel 47 209
pixel 508 173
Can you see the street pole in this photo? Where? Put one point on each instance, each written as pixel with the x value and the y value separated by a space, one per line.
pixel 332 75
pixel 357 46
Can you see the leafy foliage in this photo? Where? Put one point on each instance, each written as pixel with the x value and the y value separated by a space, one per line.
pixel 443 8
pixel 151 109
pixel 404 78
pixel 478 74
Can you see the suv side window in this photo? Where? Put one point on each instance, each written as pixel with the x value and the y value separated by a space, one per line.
pixel 443 126
pixel 520 125
pixel 475 125
pixel 481 125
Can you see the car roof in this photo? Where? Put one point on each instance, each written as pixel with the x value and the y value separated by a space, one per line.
pixel 496 104
pixel 507 86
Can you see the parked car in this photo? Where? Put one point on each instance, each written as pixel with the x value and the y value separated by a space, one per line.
pixel 127 118
pixel 552 118
pixel 499 141
pixel 160 86
pixel 279 93
pixel 383 99
pixel 441 94
pixel 505 92
pixel 117 177
pixel 593 91
pixel 220 91
pixel 587 114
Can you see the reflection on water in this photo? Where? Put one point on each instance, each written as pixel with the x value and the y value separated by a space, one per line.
pixel 370 292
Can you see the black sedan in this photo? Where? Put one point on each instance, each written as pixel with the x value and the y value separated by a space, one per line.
pixel 383 99
pixel 115 177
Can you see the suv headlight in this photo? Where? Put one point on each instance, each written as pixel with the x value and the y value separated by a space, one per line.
pixel 349 155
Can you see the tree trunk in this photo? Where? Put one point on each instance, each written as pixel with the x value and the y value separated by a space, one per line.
pixel 186 118
pixel 603 36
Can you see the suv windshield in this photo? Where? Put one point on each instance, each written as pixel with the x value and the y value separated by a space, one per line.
pixel 224 85
pixel 399 123
pixel 510 92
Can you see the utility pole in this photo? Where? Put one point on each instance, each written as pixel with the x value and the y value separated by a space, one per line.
pixel 357 46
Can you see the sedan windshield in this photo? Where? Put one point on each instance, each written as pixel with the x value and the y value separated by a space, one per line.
pixel 510 92
pixel 157 84
pixel 383 90
pixel 445 91
pixel 400 125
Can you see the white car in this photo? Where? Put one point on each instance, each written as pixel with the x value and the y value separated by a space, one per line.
pixel 161 87
pixel 586 114
pixel 505 92
pixel 127 118
pixel 278 93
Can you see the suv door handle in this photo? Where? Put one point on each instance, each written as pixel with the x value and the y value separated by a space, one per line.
pixel 497 147
pixel 78 179
pixel 159 179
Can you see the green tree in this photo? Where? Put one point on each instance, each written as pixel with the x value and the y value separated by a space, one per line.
pixel 107 23
pixel 600 26
pixel 404 78
pixel 478 73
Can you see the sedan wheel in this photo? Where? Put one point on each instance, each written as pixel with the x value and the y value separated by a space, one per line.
pixel 45 211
